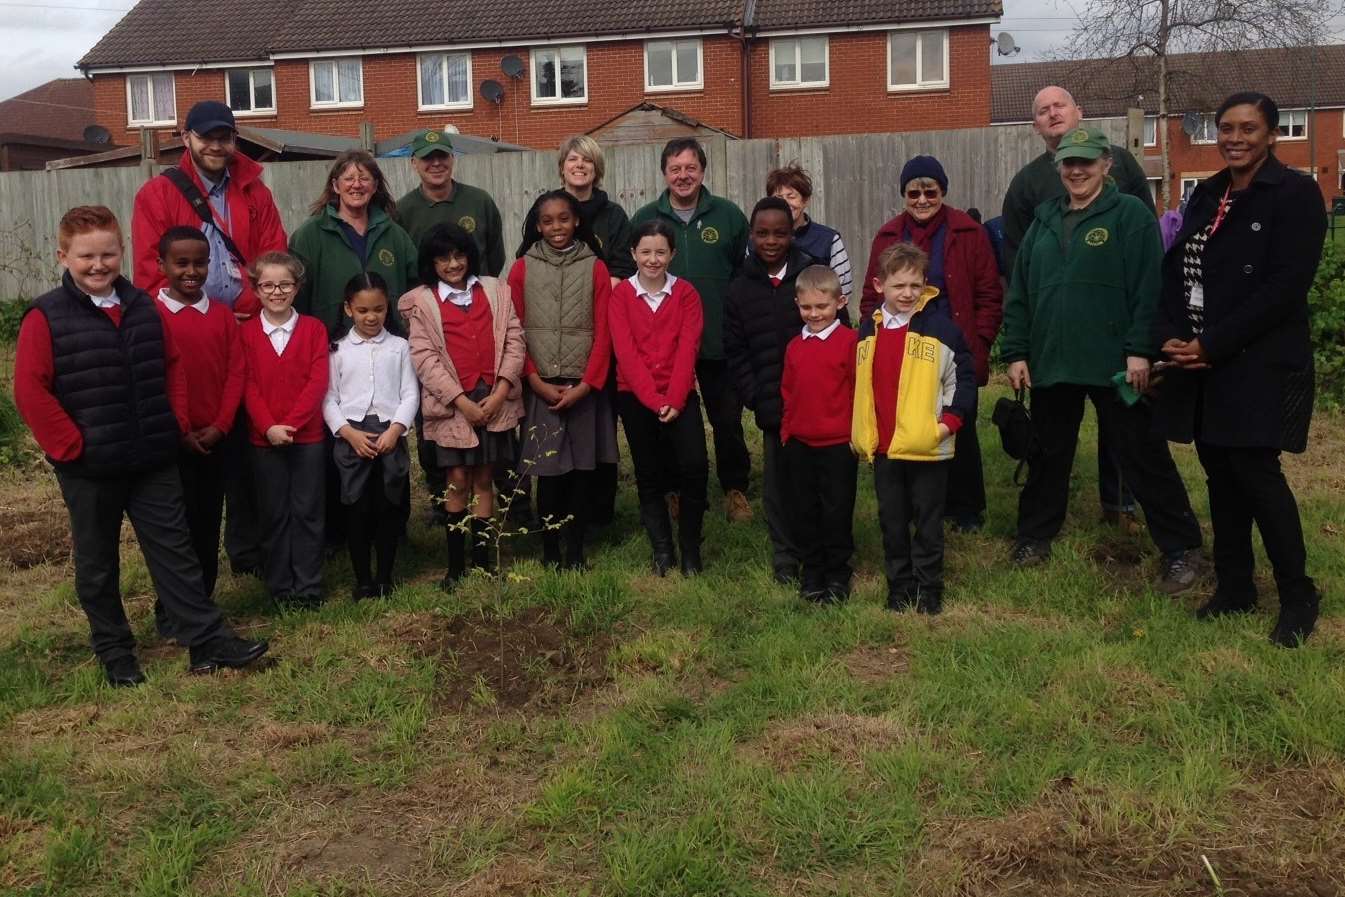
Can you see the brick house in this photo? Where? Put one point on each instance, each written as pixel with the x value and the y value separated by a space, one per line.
pixel 51 121
pixel 1308 84
pixel 750 68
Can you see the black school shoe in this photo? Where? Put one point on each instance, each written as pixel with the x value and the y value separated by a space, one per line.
pixel 1295 623
pixel 1222 604
pixel 124 672
pixel 899 600
pixel 225 651
pixel 929 602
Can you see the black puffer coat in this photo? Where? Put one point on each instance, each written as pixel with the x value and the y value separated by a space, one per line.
pixel 759 321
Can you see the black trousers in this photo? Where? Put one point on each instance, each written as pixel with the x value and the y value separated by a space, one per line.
pixel 966 476
pixel 910 513
pixel 203 487
pixel 821 510
pixel 1113 491
pixel 1246 485
pixel 654 445
pixel 776 494
pixel 242 530
pixel 292 498
pixel 436 477
pixel 153 502
pixel 1146 465
pixel 725 412
pixel 374 523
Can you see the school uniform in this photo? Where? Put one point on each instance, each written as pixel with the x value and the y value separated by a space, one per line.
pixel 287 373
pixel 816 386
pixel 656 337
pixel 206 334
pixel 912 373
pixel 97 381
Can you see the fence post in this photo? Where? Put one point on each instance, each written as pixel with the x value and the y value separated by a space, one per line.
pixel 367 136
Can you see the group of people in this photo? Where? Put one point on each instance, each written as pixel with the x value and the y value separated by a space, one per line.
pixel 280 377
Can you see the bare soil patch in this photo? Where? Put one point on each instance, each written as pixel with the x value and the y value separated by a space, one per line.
pixel 35 532
pixel 529 660
pixel 877 664
pixel 840 737
pixel 1282 837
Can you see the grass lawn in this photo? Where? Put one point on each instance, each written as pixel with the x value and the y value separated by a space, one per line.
pixel 1059 731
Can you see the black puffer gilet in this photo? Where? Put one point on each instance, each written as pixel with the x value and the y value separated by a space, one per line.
pixel 112 380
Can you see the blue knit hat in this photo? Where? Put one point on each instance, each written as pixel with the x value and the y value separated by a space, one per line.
pixel 924 167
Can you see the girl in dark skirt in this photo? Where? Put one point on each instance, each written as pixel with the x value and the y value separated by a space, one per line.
pixel 561 289
pixel 467 349
pixel 372 397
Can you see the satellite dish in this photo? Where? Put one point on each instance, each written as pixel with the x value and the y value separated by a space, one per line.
pixel 493 91
pixel 1005 44
pixel 1190 123
pixel 451 129
pixel 512 66
pixel 97 134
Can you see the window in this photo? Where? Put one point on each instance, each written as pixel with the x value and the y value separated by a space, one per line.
pixel 150 100
pixel 917 60
pixel 1293 124
pixel 672 65
pixel 445 81
pixel 1151 130
pixel 799 62
pixel 1155 188
pixel 559 75
pixel 1189 184
pixel 1206 130
pixel 336 83
pixel 250 91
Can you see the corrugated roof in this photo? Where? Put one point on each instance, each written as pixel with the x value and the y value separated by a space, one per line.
pixel 1295 77
pixel 61 109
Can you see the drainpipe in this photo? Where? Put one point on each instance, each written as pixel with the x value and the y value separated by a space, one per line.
pixel 745 52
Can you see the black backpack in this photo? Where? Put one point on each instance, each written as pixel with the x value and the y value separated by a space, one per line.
pixel 1016 433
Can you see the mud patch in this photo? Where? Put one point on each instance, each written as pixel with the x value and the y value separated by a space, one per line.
pixel 1116 557
pixel 877 664
pixel 836 737
pixel 527 660
pixel 35 534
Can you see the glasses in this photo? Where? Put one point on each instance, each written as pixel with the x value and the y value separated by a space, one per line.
pixel 928 193
pixel 218 140
pixel 353 180
pixel 283 288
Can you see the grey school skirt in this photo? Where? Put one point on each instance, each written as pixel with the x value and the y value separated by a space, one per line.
pixel 579 438
pixel 492 447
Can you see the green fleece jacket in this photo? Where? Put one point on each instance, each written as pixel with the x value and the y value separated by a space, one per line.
pixel 710 249
pixel 330 262
pixel 1076 309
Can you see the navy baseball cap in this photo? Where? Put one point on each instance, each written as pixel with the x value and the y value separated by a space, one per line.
pixel 209 115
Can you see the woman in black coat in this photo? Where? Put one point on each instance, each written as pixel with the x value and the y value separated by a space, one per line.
pixel 1234 319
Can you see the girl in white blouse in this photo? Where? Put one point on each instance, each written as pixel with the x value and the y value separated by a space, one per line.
pixel 372 397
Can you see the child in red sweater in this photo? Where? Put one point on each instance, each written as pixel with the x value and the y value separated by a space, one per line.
pixel 207 336
pixel 287 373
pixel 817 388
pixel 656 322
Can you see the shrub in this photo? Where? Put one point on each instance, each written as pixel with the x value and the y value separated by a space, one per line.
pixel 11 313
pixel 1326 303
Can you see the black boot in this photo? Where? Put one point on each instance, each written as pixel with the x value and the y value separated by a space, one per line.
pixel 928 601
pixel 483 545
pixel 654 516
pixel 1222 603
pixel 689 520
pixel 1298 617
pixel 457 551
pixel 573 538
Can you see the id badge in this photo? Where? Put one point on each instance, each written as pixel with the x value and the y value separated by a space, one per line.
pixel 1197 299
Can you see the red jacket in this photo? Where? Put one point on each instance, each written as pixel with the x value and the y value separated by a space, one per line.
pixel 254 222
pixel 656 350
pixel 287 388
pixel 971 282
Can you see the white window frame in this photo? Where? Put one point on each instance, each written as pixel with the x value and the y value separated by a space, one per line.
pixel 422 106
pixel 1290 113
pixel 678 84
pixel 1182 192
pixel 131 120
pixel 1155 188
pixel 921 83
pixel 1207 126
pixel 557 100
pixel 335 63
pixel 252 92
pixel 797 42
pixel 1150 121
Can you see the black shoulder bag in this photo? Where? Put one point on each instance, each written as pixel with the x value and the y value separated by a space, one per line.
pixel 1016 433
pixel 201 205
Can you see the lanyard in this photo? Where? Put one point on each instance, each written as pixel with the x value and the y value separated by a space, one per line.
pixel 1223 210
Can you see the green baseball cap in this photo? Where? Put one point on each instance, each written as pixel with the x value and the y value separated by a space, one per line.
pixel 1082 143
pixel 432 141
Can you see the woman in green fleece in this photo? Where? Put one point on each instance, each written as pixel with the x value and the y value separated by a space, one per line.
pixel 1078 323
pixel 352 230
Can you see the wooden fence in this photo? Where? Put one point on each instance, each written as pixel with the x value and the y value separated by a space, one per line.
pixel 855 178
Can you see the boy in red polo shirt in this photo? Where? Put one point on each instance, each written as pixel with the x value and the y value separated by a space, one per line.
pixel 915 384
pixel 207 337
pixel 816 386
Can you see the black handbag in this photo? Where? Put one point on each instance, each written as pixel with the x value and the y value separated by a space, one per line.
pixel 1016 433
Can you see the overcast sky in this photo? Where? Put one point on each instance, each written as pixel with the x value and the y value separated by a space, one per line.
pixel 46 37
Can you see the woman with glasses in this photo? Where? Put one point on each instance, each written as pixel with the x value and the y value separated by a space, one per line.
pixel 962 266
pixel 353 230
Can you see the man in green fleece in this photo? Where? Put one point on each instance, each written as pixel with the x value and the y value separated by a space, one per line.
pixel 439 198
pixel 711 245
pixel 1054 114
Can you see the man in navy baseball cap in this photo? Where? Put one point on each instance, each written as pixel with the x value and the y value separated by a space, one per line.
pixel 210 115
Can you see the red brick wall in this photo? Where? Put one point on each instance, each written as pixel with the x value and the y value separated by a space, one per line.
pixel 857 101
pixel 1200 160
